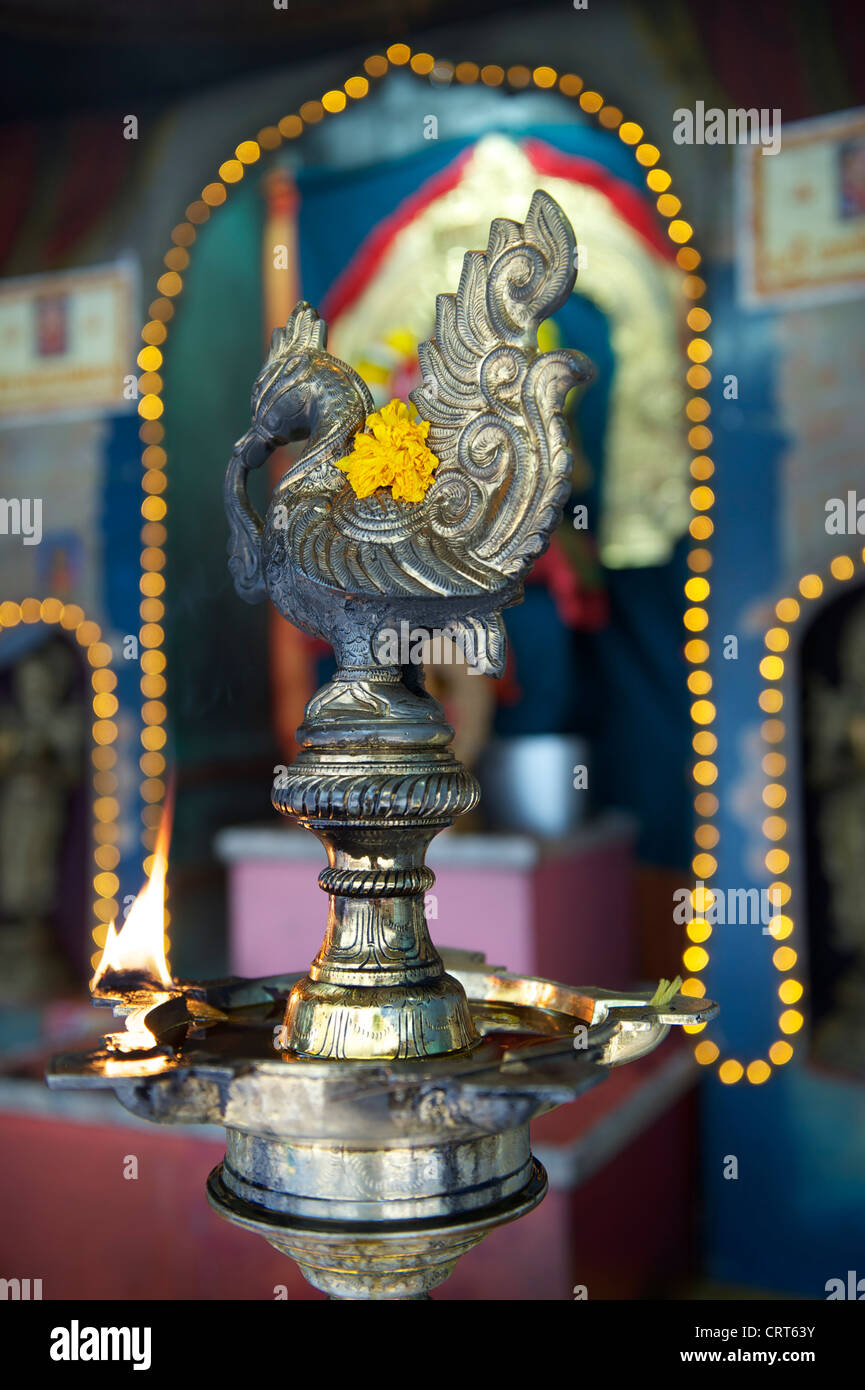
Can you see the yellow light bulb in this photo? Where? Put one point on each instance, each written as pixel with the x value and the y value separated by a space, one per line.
pixel 810 586
pixel 758 1072
pixel 787 610
pixel 730 1072
pixel 790 1021
pixel 771 668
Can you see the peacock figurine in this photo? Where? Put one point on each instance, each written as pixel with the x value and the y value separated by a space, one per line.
pixel 384 521
pixel 384 518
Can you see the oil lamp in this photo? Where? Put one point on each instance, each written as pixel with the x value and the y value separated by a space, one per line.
pixel 377 1108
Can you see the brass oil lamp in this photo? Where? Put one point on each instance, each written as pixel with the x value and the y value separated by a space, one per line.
pixel 377 1109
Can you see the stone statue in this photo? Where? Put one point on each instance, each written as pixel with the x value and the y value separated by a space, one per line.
pixel 41 736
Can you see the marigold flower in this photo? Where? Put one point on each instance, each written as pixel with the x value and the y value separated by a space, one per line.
pixel 391 452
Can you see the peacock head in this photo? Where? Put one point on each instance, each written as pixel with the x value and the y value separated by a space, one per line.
pixel 283 401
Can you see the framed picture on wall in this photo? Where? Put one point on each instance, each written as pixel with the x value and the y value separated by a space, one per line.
pixel 800 223
pixel 67 342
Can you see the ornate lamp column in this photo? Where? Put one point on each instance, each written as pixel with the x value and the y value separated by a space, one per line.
pixel 375 781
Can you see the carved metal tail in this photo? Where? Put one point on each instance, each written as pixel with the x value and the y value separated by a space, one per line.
pixel 244 523
pixel 547 383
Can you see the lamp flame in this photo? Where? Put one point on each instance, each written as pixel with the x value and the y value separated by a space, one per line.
pixel 138 949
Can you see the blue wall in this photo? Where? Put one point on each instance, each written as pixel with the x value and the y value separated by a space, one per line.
pixel 795 1216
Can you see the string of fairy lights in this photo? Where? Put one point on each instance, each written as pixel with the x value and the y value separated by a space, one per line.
pixel 103 730
pixel 775 827
pixel 698 377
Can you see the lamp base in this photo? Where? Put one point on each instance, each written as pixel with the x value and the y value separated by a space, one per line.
pixel 377 1261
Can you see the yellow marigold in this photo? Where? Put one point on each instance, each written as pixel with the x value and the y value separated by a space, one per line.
pixel 391 452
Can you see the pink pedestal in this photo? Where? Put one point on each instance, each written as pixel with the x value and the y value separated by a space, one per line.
pixel 560 909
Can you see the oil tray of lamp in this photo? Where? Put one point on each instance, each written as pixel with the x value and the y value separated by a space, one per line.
pixel 377 1109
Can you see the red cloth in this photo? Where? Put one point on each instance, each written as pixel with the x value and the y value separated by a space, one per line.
pixel 94 159
pixel 577 606
pixel 18 164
